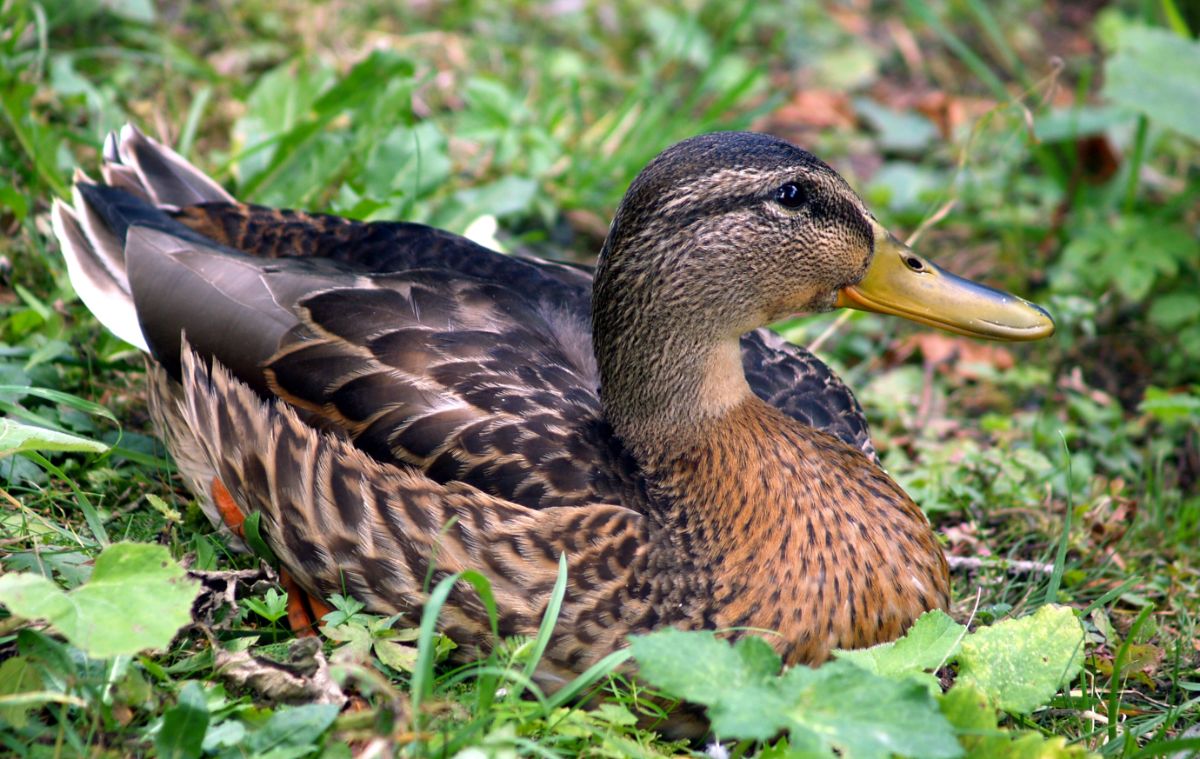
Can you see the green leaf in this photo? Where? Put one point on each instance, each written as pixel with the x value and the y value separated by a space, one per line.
pixel 932 641
pixel 16 437
pixel 298 726
pixel 864 715
pixel 184 725
pixel 689 664
pixel 905 131
pixel 396 655
pixel 1020 663
pixel 17 677
pixel 968 709
pixel 138 598
pixel 1153 72
pixel 1170 407
pixel 1173 310
pixel 837 707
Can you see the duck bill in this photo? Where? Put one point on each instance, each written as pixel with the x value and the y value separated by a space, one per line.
pixel 901 283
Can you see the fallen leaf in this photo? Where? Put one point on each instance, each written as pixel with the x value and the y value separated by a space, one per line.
pixel 302 679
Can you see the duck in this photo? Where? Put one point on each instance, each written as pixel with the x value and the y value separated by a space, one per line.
pixel 398 403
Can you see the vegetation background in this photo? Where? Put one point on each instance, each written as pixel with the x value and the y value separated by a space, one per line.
pixel 1049 148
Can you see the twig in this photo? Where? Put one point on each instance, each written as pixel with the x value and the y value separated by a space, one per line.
pixel 1014 566
pixel 815 345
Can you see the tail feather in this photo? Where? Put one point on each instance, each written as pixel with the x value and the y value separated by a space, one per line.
pixel 107 241
pixel 143 179
pixel 168 179
pixel 100 290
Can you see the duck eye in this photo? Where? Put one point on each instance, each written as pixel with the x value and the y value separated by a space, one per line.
pixel 790 195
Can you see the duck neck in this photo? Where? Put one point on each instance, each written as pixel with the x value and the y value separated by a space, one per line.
pixel 664 390
pixel 667 347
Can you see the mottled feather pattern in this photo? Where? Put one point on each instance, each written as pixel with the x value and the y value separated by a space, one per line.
pixel 344 523
pixel 401 404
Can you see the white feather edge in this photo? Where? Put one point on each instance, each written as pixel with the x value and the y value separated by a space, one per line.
pixel 110 304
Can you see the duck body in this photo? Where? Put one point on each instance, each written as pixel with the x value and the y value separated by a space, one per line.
pixel 401 404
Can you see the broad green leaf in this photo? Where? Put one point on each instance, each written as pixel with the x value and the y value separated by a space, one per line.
pixel 16 437
pixel 1173 310
pixel 1061 124
pixel 864 715
pixel 396 655
pixel 298 727
pixel 699 667
pixel 1020 663
pixel 1154 72
pixel 932 640
pixel 17 677
pixel 1170 407
pixel 906 131
pixel 137 598
pixel 184 725
pixel 836 707
pixel 968 709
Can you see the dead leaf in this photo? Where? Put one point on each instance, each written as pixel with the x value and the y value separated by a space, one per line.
pixel 1097 161
pixel 957 356
pixel 302 678
pixel 221 590
pixel 963 539
pixel 810 110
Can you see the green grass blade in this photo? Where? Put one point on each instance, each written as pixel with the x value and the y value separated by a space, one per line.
pixel 589 677
pixel 1060 556
pixel 549 620
pixel 422 678
pixel 90 515
pixel 1118 663
pixel 66 399
pixel 977 65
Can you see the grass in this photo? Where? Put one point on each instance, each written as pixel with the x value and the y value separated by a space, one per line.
pixel 1079 455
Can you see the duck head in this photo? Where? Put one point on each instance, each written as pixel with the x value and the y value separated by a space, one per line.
pixel 727 232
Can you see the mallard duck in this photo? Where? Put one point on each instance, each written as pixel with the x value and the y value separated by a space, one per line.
pixel 399 403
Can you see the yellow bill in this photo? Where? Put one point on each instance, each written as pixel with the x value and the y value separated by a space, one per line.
pixel 901 283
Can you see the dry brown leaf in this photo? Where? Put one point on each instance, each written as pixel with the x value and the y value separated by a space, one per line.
pixel 811 109
pixel 957 356
pixel 303 678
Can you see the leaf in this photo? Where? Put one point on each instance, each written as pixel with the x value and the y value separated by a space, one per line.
pixel 688 664
pixel 396 655
pixel 864 715
pixel 931 641
pixel 138 598
pixel 1174 310
pixel 839 706
pixel 298 726
pixel 903 131
pixel 968 709
pixel 16 437
pixel 184 725
pixel 1170 407
pixel 1153 72
pixel 17 677
pixel 1020 663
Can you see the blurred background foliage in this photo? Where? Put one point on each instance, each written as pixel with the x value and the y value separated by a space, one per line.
pixel 1046 147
